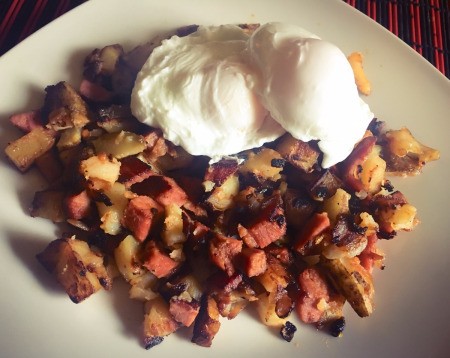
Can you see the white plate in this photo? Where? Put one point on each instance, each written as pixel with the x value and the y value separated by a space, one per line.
pixel 412 316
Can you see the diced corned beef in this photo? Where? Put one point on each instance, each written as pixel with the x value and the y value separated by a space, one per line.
pixel 160 148
pixel 192 186
pixel 195 232
pixel 161 188
pixel 183 311
pixel 157 146
pixel 140 214
pixel 78 206
pixel 94 91
pixel 268 226
pixel 315 226
pixel 252 261
pixel 27 121
pixel 197 210
pixel 134 170
pixel 351 166
pixel 223 250
pixel 314 288
pixel 281 253
pixel 152 137
pixel 194 190
pixel 221 171
pixel 307 309
pixel 158 262
pixel 388 201
pixel 220 281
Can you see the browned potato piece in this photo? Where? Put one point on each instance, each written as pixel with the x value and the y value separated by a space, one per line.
pixel 142 287
pixel 172 233
pixel 108 57
pixel 275 276
pixel 399 217
pixel 158 322
pixel 120 145
pixel 70 137
pixel 207 322
pixel 76 267
pixel 337 205
pixel 25 150
pixel 266 307
pixel 300 154
pixel 373 171
pixel 111 215
pixel 222 196
pixel 48 204
pixel 102 62
pixel 101 168
pixel 127 259
pixel 405 155
pixel 65 107
pixel 266 164
pixel 50 166
pixel 352 281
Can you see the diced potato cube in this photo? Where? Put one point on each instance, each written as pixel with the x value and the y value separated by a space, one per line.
pixel 266 307
pixel 337 205
pixel 69 138
pixel 266 164
pixel 173 226
pixel 109 56
pixel 222 196
pixel 120 145
pixel 373 171
pixel 101 167
pixel 300 154
pixel 401 142
pixel 353 282
pixel 65 107
pixel 48 204
pixel 76 267
pixel 368 222
pixel 158 322
pixel 402 217
pixel 111 215
pixel 274 277
pixel 142 287
pixel 25 150
pixel 127 259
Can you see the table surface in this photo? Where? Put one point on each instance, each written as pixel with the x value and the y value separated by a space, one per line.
pixel 422 24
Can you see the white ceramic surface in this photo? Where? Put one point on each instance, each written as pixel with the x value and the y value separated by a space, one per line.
pixel 412 316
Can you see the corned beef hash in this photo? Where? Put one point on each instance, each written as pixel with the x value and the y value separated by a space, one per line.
pixel 216 168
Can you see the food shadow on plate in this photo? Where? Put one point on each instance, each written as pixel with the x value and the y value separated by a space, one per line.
pixel 25 247
pixel 130 312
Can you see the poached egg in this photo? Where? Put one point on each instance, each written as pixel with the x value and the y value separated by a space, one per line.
pixel 220 91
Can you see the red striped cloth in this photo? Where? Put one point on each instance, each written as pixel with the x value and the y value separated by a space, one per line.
pixel 422 24
pixel 20 18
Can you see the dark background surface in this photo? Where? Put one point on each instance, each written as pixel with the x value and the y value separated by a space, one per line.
pixel 422 24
